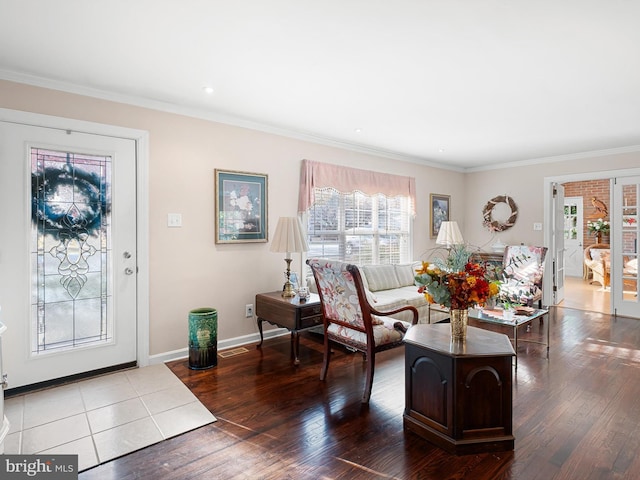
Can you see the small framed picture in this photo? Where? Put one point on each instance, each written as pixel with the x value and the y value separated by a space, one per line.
pixel 293 278
pixel 241 207
pixel 440 206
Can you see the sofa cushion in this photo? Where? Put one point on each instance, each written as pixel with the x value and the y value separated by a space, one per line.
pixel 388 300
pixel 406 274
pixel 411 296
pixel 381 277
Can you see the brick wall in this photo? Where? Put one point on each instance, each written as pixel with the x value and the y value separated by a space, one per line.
pixel 587 190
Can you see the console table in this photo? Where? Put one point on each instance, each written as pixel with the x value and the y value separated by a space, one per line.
pixel 291 313
pixel 459 394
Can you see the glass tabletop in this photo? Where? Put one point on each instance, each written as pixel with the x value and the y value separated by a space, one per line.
pixel 495 316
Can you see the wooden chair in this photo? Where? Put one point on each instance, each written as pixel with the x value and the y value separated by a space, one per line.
pixel 349 318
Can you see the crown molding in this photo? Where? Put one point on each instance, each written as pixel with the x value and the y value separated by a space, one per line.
pixel 212 116
pixel 558 158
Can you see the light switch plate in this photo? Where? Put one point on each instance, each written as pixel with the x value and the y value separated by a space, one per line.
pixel 537 226
pixel 174 220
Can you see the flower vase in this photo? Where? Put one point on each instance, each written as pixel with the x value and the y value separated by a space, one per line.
pixel 599 237
pixel 459 319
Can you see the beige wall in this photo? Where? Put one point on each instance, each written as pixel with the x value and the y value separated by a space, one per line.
pixel 187 269
pixel 525 184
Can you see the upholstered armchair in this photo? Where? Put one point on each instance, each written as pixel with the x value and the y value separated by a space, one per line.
pixel 596 259
pixel 522 273
pixel 349 318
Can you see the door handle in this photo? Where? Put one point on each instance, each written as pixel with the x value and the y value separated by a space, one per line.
pixel 128 271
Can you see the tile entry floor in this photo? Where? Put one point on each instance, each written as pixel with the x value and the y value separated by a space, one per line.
pixel 105 417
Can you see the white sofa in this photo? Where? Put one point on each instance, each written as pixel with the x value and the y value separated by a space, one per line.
pixel 392 286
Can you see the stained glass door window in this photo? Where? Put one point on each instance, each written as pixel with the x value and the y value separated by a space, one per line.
pixel 70 250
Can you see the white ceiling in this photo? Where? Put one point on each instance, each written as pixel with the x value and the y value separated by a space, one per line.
pixel 461 83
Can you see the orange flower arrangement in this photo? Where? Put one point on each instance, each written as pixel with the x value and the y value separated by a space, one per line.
pixel 459 289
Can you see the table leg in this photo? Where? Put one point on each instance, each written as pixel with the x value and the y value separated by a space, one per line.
pixel 295 346
pixel 515 342
pixel 259 320
pixel 549 328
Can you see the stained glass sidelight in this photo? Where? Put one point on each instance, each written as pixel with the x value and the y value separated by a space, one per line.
pixel 70 250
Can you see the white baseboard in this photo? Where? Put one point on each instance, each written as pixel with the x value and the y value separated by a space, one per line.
pixel 222 345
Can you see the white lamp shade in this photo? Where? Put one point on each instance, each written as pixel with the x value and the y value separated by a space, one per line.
pixel 289 236
pixel 449 234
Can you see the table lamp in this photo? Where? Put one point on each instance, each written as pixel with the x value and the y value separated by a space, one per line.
pixel 449 234
pixel 289 238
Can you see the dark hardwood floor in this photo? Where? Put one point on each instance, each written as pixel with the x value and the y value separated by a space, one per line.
pixel 575 415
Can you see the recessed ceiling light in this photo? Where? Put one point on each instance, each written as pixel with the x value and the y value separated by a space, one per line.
pixel 208 90
pixel 358 130
pixel 441 150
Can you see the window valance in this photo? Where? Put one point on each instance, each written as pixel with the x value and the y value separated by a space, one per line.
pixel 346 179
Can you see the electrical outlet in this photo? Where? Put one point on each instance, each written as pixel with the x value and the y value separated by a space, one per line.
pixel 248 310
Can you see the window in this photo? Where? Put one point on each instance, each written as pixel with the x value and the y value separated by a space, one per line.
pixel 71 249
pixel 359 228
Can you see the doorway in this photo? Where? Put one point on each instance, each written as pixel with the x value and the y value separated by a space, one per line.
pixel 69 248
pixel 582 291
pixel 595 189
pixel 573 235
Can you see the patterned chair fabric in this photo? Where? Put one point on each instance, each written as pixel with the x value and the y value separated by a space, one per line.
pixel 349 318
pixel 523 269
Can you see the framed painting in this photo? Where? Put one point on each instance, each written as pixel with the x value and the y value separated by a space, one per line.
pixel 241 207
pixel 440 206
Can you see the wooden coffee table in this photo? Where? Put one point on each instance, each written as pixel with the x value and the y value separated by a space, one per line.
pixel 478 317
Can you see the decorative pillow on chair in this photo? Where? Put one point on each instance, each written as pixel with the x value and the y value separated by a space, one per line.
pixel 406 274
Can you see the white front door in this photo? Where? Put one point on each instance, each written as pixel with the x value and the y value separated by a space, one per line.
pixel 67 252
pixel 573 237
pixel 624 254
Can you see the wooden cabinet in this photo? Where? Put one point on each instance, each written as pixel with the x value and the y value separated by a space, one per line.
pixel 459 395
